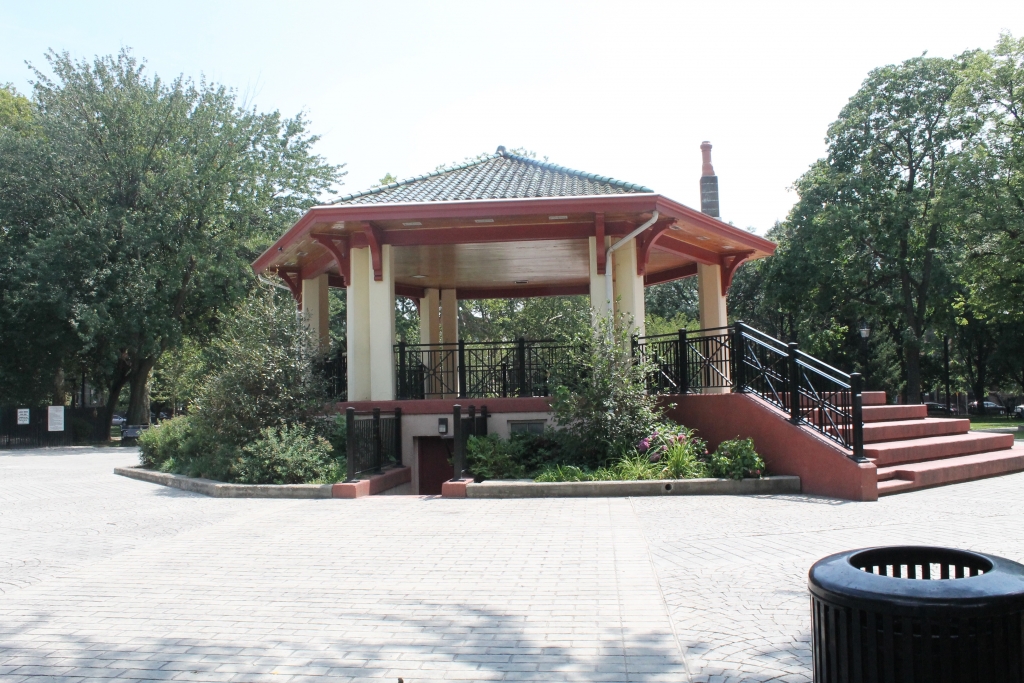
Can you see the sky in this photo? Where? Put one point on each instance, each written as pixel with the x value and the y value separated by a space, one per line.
pixel 626 89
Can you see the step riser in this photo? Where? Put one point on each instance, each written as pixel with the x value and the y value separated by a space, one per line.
pixel 875 433
pixel 937 449
pixel 980 467
pixel 872 398
pixel 890 413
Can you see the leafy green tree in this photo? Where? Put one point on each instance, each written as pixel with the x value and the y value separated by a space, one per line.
pixel 146 202
pixel 550 317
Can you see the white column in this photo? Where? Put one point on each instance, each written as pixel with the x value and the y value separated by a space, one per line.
pixel 449 317
pixel 358 325
pixel 316 310
pixel 598 294
pixel 629 287
pixel 710 299
pixel 381 307
pixel 430 321
pixel 711 303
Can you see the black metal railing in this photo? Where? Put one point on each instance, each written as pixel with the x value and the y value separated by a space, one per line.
pixel 29 427
pixel 737 358
pixel 373 441
pixel 334 369
pixel 743 359
pixel 481 369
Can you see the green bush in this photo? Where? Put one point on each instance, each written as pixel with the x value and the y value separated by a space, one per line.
pixel 606 407
pixel 164 442
pixel 491 457
pixel 287 455
pixel 521 455
pixel 736 459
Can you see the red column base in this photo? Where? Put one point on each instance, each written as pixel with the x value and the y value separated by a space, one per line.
pixel 455 489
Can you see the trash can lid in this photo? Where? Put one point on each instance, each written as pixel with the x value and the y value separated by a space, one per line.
pixel 839 578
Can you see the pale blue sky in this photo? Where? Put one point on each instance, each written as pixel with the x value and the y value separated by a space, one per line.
pixel 625 89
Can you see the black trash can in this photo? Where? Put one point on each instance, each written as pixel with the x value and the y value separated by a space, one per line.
pixel 916 613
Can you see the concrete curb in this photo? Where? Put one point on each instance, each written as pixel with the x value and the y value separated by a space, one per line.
pixel 219 489
pixel 615 489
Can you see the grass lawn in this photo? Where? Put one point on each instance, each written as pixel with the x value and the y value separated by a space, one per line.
pixel 994 422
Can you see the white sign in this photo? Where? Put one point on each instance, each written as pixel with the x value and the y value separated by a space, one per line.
pixel 55 419
pixel 23 416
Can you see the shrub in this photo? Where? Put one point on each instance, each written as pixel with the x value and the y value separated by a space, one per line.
pixel 564 473
pixel 287 455
pixel 163 442
pixel 736 459
pixel 491 457
pixel 604 405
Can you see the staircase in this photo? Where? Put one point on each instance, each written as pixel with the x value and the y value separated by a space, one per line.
pixel 914 451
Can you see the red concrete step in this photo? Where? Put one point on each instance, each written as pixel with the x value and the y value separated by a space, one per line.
pixel 950 470
pixel 900 412
pixel 876 432
pixel 935 447
pixel 872 398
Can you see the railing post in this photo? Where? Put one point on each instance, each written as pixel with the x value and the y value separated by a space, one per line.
pixel 398 437
pixel 738 349
pixel 350 442
pixel 856 390
pixel 794 384
pixel 483 422
pixel 378 445
pixel 684 364
pixel 459 455
pixel 401 370
pixel 521 366
pixel 462 368
pixel 472 420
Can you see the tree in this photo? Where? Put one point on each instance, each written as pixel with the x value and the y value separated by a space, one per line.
pixel 162 193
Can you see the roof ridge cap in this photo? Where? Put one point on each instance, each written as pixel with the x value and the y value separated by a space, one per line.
pixel 409 181
pixel 579 174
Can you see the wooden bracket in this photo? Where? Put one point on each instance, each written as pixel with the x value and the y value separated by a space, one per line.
pixel 645 242
pixel 339 248
pixel 375 239
pixel 729 264
pixel 294 282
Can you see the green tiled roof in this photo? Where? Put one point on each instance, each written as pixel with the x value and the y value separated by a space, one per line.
pixel 500 176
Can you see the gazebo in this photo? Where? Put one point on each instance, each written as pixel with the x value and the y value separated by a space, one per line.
pixel 505 226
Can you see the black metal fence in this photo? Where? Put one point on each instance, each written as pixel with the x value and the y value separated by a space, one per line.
pixel 374 441
pixel 737 358
pixel 335 372
pixel 81 425
pixel 481 369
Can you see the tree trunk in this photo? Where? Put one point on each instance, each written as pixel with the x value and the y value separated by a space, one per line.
pixel 113 396
pixel 912 353
pixel 59 393
pixel 138 409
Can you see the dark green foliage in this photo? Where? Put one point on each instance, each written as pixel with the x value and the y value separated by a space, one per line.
pixel 293 454
pixel 605 408
pixel 259 376
pixel 735 459
pixel 521 455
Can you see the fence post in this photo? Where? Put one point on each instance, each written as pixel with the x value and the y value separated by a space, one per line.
pixel 350 442
pixel 377 442
pixel 684 365
pixel 737 358
pixel 794 384
pixel 459 456
pixel 521 366
pixel 483 422
pixel 856 390
pixel 472 420
pixel 401 369
pixel 398 437
pixel 462 368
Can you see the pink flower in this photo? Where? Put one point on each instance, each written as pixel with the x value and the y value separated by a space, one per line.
pixel 644 444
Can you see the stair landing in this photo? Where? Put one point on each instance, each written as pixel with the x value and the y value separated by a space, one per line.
pixel 913 451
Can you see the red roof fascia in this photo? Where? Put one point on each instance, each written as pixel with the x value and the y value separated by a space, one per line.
pixel 678 273
pixel 714 225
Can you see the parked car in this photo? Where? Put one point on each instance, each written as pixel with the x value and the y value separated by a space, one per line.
pixel 939 409
pixel 117 420
pixel 1018 412
pixel 990 408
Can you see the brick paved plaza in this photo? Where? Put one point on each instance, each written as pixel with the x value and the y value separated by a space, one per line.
pixel 102 577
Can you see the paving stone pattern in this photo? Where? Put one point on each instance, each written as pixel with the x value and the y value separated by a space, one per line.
pixel 105 577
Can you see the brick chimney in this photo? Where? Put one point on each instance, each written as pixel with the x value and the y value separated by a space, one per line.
pixel 708 183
